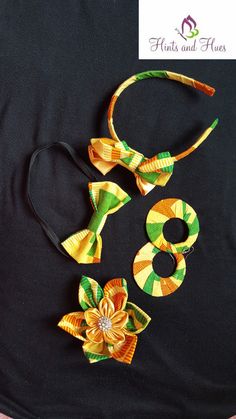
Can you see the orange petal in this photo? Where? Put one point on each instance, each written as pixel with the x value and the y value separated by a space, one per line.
pixel 116 290
pixel 106 307
pixel 113 336
pixel 75 324
pixel 119 319
pixel 94 334
pixel 91 316
pixel 124 352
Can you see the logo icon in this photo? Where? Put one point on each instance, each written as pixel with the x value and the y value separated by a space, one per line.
pixel 188 28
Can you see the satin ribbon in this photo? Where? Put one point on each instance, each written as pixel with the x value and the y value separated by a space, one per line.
pixel 106 153
pixel 106 198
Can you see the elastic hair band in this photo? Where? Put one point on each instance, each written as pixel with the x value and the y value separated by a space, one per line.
pixel 79 163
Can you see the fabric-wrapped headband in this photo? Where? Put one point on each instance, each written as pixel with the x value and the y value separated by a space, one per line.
pixel 106 153
pixel 84 246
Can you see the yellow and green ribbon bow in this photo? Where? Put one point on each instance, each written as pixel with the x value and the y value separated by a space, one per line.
pixel 85 246
pixel 106 153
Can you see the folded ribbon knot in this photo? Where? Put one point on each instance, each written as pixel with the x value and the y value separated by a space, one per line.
pixel 85 246
pixel 106 153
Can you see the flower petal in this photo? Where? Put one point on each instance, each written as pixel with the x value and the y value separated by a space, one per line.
pixel 91 316
pixel 106 307
pixel 96 351
pixel 124 352
pixel 75 324
pixel 90 293
pixel 119 319
pixel 138 319
pixel 114 336
pixel 94 334
pixel 116 290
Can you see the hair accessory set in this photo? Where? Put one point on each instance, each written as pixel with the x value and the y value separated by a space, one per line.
pixel 109 324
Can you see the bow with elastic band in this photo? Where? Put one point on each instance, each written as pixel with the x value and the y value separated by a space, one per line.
pixel 106 153
pixel 85 246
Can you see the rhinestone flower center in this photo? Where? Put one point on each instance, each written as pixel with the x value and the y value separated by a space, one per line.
pixel 104 323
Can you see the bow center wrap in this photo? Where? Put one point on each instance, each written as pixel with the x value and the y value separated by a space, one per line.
pixel 85 246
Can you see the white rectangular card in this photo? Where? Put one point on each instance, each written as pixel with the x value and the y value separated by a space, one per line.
pixel 187 30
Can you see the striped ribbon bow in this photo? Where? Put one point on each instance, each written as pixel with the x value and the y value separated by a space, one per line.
pixel 105 153
pixel 106 198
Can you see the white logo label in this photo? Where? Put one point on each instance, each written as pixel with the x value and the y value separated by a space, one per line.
pixel 186 30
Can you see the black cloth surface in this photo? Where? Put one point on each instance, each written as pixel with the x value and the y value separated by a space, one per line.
pixel 60 63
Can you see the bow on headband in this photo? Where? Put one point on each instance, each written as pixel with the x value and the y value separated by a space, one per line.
pixel 106 153
pixel 85 246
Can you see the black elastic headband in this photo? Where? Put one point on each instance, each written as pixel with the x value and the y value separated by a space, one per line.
pixel 80 163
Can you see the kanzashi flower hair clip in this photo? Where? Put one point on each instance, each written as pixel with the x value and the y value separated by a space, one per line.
pixel 108 324
pixel 106 153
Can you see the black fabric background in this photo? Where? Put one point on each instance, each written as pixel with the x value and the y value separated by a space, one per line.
pixel 60 63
